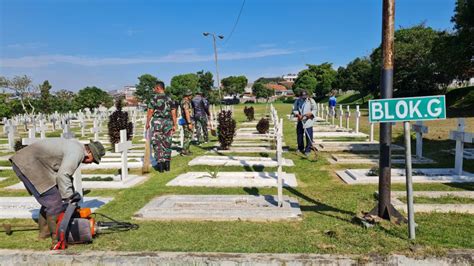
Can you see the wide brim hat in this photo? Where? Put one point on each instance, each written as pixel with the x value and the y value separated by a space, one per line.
pixel 97 150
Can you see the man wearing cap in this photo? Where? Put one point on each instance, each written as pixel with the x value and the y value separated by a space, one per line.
pixel 201 112
pixel 46 168
pixel 186 109
pixel 304 109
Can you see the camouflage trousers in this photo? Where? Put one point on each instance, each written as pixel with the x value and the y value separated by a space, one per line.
pixel 161 138
pixel 201 129
pixel 188 136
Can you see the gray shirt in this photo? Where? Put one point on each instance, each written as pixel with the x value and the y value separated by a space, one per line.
pixel 50 162
pixel 304 106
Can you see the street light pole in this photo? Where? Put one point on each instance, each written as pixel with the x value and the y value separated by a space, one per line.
pixel 215 60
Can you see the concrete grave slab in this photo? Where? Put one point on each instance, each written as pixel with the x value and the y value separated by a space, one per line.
pixel 238 161
pixel 352 146
pixel 232 179
pixel 247 150
pixel 2 179
pixel 420 175
pixel 130 181
pixel 6 168
pixel 220 208
pixel 27 207
pixel 110 165
pixel 329 128
pixel 317 135
pixel 374 159
pixel 468 153
pixel 430 207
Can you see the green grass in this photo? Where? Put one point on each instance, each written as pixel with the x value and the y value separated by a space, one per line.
pixel 327 205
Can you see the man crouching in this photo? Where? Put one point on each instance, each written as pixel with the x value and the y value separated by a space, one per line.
pixel 46 168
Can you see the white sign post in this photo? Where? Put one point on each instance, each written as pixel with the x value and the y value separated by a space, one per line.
pixel 357 116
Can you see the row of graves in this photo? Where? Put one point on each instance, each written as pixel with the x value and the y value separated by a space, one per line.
pixel 337 133
pixel 113 171
pixel 252 176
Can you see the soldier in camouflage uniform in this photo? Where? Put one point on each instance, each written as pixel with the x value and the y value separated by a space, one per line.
pixel 201 112
pixel 186 112
pixel 161 117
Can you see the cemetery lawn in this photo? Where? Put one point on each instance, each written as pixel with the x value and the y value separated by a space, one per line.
pixel 328 207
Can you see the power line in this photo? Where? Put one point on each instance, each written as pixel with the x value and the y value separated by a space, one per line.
pixel 236 22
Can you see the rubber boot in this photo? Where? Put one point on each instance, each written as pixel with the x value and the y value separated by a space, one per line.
pixel 160 167
pixel 52 221
pixel 167 166
pixel 43 225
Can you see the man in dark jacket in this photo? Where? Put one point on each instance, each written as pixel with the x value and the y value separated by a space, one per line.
pixel 201 112
pixel 46 168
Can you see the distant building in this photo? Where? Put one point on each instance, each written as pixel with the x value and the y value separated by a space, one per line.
pixel 128 92
pixel 290 77
pixel 278 89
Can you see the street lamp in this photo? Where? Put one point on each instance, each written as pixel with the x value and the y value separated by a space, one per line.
pixel 215 59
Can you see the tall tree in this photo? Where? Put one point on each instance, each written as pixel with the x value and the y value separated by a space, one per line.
pixel 261 91
pixel 415 70
pixel 464 25
pixel 145 86
pixel 92 97
pixel 180 83
pixel 324 74
pixel 45 103
pixel 358 76
pixel 234 85
pixel 23 89
pixel 206 82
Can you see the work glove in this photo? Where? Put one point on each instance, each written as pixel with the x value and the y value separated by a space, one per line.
pixel 76 197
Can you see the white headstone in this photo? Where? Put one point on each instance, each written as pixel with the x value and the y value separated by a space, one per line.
pixel 461 137
pixel 123 148
pixel 67 133
pixel 357 116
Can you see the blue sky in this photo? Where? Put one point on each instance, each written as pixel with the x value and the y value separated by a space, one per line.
pixel 109 43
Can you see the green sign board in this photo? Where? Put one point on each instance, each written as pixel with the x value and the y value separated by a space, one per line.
pixel 407 109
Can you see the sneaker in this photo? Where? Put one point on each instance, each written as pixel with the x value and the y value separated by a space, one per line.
pixel 307 154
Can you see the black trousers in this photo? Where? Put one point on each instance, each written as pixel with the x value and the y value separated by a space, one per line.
pixel 303 135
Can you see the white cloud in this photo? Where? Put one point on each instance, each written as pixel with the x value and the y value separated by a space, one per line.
pixel 180 56
pixel 25 46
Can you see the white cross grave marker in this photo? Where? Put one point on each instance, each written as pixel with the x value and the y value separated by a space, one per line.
pixel 123 147
pixel 420 129
pixel 67 134
pixel 11 128
pixel 357 116
pixel 42 129
pixel 95 129
pixel 280 163
pixel 461 137
pixel 31 138
pixel 348 116
pixel 341 114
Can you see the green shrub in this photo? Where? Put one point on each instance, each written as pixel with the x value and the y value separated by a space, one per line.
pixel 225 129
pixel 249 113
pixel 263 126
